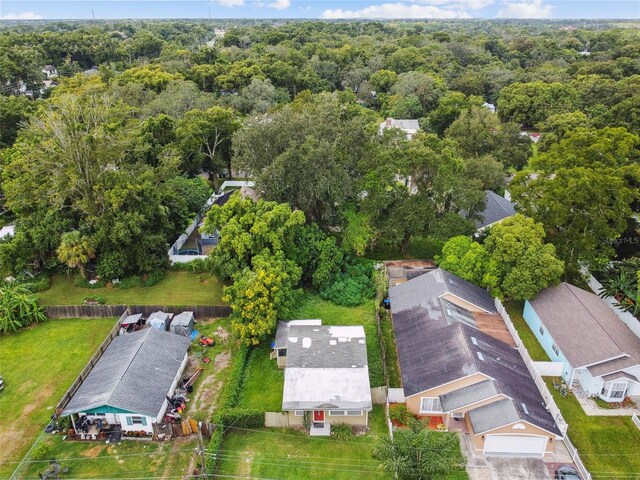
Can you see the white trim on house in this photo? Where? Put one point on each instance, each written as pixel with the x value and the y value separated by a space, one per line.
pixel 435 405
pixel 345 413
pixel 555 435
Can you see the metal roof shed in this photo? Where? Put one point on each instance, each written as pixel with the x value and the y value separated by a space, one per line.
pixel 182 324
pixel 160 320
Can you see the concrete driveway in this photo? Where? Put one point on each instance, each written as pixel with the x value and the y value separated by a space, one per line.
pixel 521 468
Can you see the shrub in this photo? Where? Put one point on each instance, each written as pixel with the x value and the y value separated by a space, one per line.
pixel 82 282
pixel 241 417
pixel 41 452
pixel 39 283
pixel 398 412
pixel 231 390
pixel 342 431
pixel 154 277
pixel 111 265
pixel 199 265
pixel 94 299
pixel 129 282
pixel 352 287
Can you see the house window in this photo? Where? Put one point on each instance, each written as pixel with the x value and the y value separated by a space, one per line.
pixel 618 389
pixel 541 330
pixel 354 413
pixel 342 413
pixel 137 421
pixel 299 413
pixel 430 405
pixel 336 413
pixel 555 349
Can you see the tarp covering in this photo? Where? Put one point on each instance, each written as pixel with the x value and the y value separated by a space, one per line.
pixel 159 320
pixel 182 324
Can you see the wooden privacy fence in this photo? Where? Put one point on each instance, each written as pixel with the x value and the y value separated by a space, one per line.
pixel 276 419
pixel 100 311
pixel 94 359
pixel 185 428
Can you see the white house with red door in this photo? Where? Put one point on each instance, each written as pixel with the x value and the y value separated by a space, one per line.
pixel 326 378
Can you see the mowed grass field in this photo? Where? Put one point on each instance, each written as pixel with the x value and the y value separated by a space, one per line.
pixel 38 365
pixel 176 288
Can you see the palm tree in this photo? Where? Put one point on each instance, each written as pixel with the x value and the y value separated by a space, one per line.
pixel 418 454
pixel 18 307
pixel 75 250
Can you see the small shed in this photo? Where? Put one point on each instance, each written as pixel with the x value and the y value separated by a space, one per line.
pixel 182 324
pixel 160 320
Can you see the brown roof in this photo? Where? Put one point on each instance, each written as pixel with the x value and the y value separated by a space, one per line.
pixel 493 324
pixel 585 329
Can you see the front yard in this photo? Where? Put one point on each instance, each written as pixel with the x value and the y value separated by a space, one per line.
pixel 38 365
pixel 291 454
pixel 176 288
pixel 609 446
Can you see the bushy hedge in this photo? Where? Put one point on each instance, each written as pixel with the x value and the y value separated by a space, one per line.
pixel 352 286
pixel 241 418
pixel 225 412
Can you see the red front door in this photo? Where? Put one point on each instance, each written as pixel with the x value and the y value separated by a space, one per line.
pixel 318 415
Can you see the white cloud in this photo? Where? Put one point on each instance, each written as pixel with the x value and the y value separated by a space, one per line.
pixel 396 10
pixel 526 9
pixel 230 3
pixel 22 16
pixel 458 4
pixel 280 4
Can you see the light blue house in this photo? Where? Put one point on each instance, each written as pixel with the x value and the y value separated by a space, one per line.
pixel 599 352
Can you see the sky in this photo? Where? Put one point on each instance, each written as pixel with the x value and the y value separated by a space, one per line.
pixel 324 9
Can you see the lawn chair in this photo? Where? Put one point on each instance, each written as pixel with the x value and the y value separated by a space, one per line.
pixel 563 390
pixel 556 385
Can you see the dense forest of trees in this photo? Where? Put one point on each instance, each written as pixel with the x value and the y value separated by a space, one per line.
pixel 106 168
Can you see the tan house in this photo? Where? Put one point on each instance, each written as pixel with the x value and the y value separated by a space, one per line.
pixel 459 363
pixel 326 377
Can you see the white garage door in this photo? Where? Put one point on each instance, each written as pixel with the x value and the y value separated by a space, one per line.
pixel 515 445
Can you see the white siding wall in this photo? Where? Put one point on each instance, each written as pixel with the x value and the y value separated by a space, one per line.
pixel 591 385
pixel 122 420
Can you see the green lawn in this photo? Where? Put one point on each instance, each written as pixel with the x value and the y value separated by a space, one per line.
pixel 129 459
pixel 38 365
pixel 263 382
pixel 313 306
pixel 419 247
pixel 389 339
pixel 176 288
pixel 609 446
pixel 530 341
pixel 291 454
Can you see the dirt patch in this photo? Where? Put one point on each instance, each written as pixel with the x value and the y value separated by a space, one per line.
pixel 221 333
pixel 222 360
pixel 245 465
pixel 204 400
pixel 93 452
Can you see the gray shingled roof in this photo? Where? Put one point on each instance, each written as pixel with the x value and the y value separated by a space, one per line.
pixel 326 368
pixel 418 291
pixel 496 208
pixel 468 395
pixel 493 415
pixel 134 373
pixel 434 349
pixel 282 332
pixel 404 124
pixel 617 375
pixel 132 319
pixel 584 327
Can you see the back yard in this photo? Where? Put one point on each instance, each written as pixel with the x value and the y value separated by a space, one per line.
pixel 38 366
pixel 176 288
pixel 609 446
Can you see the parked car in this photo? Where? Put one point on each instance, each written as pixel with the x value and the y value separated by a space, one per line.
pixel 567 472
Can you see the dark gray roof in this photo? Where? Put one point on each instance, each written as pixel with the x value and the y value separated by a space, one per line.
pixel 420 290
pixel 468 395
pixel 134 373
pixel 496 208
pixel 433 352
pixel 224 198
pixel 493 415
pixel 326 346
pixel 584 328
pixel 617 375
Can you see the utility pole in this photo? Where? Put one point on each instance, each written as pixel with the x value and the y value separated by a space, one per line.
pixel 203 457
